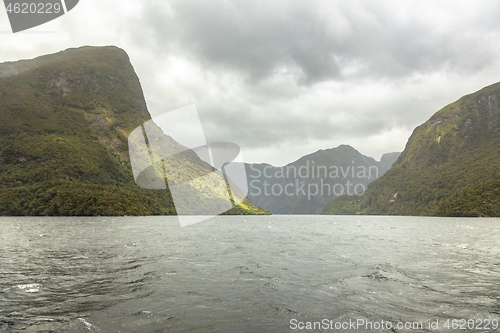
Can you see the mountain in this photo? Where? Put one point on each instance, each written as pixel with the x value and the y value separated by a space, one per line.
pixel 450 166
pixel 64 123
pixel 306 185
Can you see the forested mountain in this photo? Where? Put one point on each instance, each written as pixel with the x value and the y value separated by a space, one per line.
pixel 64 123
pixel 450 166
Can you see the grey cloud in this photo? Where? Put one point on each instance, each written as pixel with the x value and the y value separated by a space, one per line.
pixel 252 37
pixel 260 38
pixel 281 127
pixel 281 53
pixel 289 73
pixel 255 38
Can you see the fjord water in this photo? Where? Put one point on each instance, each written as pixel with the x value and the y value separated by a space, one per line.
pixel 244 273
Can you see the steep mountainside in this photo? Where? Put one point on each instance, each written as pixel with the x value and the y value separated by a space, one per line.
pixel 64 123
pixel 450 166
pixel 306 185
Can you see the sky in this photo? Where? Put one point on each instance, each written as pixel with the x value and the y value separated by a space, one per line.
pixel 283 79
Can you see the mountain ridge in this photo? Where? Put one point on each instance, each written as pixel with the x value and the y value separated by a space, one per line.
pixel 454 153
pixel 64 123
pixel 291 189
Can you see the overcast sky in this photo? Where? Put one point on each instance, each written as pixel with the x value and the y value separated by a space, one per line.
pixel 286 78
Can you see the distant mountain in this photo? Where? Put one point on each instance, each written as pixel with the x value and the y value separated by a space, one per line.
pixel 450 166
pixel 306 185
pixel 64 123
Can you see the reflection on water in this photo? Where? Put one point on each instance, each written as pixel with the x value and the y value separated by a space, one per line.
pixel 244 274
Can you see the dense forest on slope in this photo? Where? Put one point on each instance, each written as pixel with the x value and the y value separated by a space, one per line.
pixel 450 166
pixel 64 123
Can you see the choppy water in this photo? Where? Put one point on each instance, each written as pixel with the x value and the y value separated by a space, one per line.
pixel 246 274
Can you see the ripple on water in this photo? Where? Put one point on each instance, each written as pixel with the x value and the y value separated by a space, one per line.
pixel 237 274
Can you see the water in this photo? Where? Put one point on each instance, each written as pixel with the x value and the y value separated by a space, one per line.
pixel 247 273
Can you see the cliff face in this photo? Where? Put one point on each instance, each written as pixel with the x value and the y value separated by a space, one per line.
pixel 64 123
pixel 449 157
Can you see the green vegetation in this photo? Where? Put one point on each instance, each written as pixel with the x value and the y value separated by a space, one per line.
pixel 450 166
pixel 479 200
pixel 64 123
